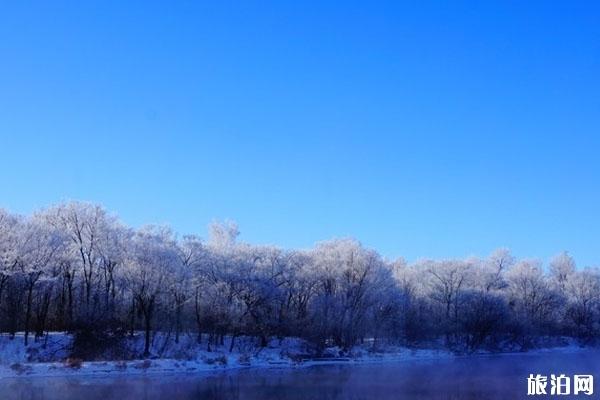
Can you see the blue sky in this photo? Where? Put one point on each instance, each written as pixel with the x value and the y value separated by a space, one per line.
pixel 424 129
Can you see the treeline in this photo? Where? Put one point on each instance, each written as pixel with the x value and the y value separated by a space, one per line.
pixel 75 268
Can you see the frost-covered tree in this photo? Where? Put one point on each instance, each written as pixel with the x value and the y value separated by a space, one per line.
pixel 85 226
pixel 533 300
pixel 10 229
pixel 583 307
pixel 74 267
pixel 562 267
pixel 223 235
pixel 39 245
pixel 447 281
pixel 185 279
pixel 349 277
pixel 491 272
pixel 152 260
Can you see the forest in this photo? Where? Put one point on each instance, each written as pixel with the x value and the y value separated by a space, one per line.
pixel 74 267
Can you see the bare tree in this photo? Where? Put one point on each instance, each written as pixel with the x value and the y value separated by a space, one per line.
pixel 38 246
pixel 151 260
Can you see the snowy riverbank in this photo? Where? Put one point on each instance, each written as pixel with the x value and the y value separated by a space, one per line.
pixel 50 357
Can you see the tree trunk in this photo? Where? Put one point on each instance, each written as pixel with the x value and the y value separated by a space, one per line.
pixel 198 315
pixel 28 312
pixel 148 311
pixel 148 328
pixel 232 343
pixel 178 308
pixel 3 280
pixel 70 308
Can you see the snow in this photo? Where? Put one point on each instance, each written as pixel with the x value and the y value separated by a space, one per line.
pixel 49 356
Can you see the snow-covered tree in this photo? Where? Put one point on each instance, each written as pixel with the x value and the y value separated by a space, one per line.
pixel 583 308
pixel 531 296
pixel 152 259
pixel 75 267
pixel 10 229
pixel 562 267
pixel 39 245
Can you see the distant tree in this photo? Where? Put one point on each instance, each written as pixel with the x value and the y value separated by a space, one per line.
pixel 74 267
pixel 494 268
pixel 562 267
pixel 223 235
pixel 151 261
pixel 39 245
pixel 185 278
pixel 85 225
pixel 448 279
pixel 583 308
pixel 10 229
pixel 532 298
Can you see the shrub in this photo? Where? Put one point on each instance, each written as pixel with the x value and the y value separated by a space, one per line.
pixel 121 366
pixel 244 358
pixel 222 360
pixel 20 368
pixel 91 342
pixel 143 365
pixel 74 363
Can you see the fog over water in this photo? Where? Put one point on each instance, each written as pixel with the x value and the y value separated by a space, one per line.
pixel 481 377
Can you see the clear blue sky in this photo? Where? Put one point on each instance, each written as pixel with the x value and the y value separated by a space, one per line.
pixel 439 129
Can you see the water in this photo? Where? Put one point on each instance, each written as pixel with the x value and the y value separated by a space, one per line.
pixel 483 377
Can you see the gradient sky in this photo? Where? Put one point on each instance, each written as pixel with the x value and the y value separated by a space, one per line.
pixel 438 129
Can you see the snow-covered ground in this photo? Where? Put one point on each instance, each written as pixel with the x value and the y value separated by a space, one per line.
pixel 50 356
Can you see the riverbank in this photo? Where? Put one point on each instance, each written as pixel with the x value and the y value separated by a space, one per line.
pixel 50 357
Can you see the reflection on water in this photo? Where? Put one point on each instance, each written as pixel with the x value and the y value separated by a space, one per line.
pixel 489 377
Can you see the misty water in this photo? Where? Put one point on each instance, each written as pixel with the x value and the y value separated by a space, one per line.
pixel 478 377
